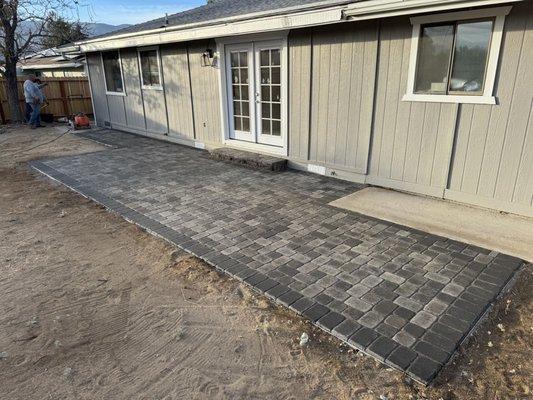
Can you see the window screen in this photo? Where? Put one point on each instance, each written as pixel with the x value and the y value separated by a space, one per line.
pixel 113 75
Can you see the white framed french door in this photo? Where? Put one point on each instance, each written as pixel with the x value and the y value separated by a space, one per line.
pixel 268 86
pixel 256 92
pixel 241 95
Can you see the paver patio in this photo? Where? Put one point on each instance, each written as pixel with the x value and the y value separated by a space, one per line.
pixel 405 297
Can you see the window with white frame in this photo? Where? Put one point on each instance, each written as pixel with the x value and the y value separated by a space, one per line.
pixel 150 71
pixel 112 72
pixel 454 56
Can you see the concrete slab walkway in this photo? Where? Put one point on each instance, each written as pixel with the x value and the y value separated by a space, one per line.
pixel 403 296
pixel 506 233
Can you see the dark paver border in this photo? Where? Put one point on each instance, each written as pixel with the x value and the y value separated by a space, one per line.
pixel 420 368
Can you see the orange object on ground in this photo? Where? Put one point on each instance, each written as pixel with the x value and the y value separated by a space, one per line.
pixel 81 121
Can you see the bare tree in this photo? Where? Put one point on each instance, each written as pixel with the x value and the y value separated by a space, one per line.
pixel 22 26
pixel 61 31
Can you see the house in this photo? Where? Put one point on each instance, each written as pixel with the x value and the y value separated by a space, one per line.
pixel 50 63
pixel 432 97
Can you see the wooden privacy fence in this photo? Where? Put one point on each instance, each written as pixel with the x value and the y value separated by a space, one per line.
pixel 65 96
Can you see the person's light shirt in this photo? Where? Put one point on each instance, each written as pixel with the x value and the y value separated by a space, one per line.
pixel 32 92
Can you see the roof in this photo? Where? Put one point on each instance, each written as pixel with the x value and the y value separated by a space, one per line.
pixel 220 9
pixel 230 18
pixel 50 59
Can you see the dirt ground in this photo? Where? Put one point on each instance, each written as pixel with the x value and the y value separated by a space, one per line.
pixel 92 307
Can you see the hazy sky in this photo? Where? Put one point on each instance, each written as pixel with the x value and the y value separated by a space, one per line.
pixel 117 12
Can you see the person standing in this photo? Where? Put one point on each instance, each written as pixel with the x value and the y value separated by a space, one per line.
pixel 34 99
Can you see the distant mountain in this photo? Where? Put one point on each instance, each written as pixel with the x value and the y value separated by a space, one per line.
pixel 97 29
pixel 94 28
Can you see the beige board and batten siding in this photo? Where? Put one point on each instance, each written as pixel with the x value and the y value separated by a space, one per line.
pixel 155 108
pixel 205 94
pixel 412 141
pixel 94 66
pixel 133 100
pixel 117 110
pixel 299 93
pixel 175 65
pixel 493 159
pixel 331 86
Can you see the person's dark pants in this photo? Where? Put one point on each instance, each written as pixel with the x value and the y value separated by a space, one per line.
pixel 27 114
pixel 35 118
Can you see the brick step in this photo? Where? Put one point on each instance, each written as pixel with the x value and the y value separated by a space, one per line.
pixel 249 159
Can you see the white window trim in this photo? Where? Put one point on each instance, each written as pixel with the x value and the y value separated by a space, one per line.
pixel 108 92
pixel 486 97
pixel 150 87
pixel 223 91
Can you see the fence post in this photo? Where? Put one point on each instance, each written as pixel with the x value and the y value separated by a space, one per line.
pixel 2 114
pixel 64 98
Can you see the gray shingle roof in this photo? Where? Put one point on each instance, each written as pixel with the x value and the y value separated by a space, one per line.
pixel 220 9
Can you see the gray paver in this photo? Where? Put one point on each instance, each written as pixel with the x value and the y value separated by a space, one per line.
pixel 277 233
pixel 423 319
pixel 346 329
pixel 404 338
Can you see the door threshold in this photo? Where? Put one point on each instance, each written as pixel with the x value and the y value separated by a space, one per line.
pixel 256 147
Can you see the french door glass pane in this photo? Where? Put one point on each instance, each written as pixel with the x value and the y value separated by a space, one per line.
pixel 237 108
pixel 234 59
pixel 265 126
pixel 235 75
pixel 240 88
pixel 243 59
pixel 434 53
pixel 236 91
pixel 244 75
pixel 472 43
pixel 244 92
pixel 276 128
pixel 265 76
pixel 246 124
pixel 265 110
pixel 237 123
pixel 276 111
pixel 265 57
pixel 275 57
pixel 265 93
pixel 276 93
pixel 270 79
pixel 245 108
pixel 275 72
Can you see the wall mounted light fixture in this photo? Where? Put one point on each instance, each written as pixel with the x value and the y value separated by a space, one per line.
pixel 209 58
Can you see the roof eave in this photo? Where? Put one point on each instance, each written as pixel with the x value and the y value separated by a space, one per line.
pixel 220 29
pixel 319 14
pixel 324 4
pixel 389 8
pixel 50 66
pixel 71 48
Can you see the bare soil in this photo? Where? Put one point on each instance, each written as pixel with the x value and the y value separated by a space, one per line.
pixel 92 307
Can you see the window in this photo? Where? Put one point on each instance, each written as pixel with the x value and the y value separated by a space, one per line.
pixel 112 72
pixel 150 73
pixel 454 56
